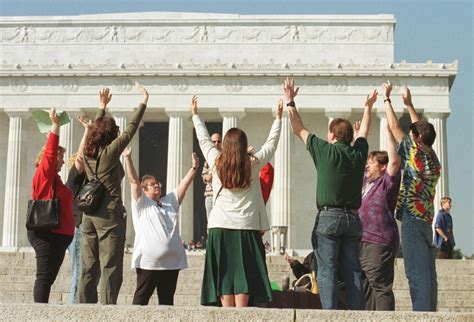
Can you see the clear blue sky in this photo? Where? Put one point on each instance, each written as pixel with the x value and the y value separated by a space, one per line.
pixel 438 30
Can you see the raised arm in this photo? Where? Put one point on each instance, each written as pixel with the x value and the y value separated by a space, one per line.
pixel 393 157
pixel 265 153
pixel 392 119
pixel 135 187
pixel 79 162
pixel 104 98
pixel 188 179
pixel 120 143
pixel 208 149
pixel 406 97
pixel 295 119
pixel 367 117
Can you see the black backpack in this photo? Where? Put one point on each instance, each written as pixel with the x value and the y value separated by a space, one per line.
pixel 91 193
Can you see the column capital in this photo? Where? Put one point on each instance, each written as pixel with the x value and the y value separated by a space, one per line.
pixel 23 113
pixel 337 113
pixel 381 113
pixel 440 114
pixel 178 113
pixel 239 114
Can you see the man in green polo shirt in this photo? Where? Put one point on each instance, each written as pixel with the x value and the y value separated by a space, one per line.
pixel 337 230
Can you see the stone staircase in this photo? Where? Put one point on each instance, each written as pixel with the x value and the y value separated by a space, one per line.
pixel 17 274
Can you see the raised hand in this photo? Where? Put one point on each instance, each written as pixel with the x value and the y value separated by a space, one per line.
pixel 86 123
pixel 279 111
pixel 127 152
pixel 54 122
pixel 104 97
pixel 289 89
pixel 406 96
pixel 387 87
pixel 356 129
pixel 195 160
pixel 143 92
pixel 371 99
pixel 194 105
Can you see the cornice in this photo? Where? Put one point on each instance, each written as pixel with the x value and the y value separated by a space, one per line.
pixel 219 68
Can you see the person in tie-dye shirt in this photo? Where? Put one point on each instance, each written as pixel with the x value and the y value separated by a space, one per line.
pixel 421 172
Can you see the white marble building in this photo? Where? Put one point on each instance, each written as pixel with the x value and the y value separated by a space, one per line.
pixel 235 63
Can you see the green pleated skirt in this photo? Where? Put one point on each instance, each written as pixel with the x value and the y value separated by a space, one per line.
pixel 235 264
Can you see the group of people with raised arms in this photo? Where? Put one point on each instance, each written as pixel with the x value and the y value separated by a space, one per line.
pixel 356 200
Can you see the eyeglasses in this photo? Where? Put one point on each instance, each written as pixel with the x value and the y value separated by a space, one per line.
pixel 217 141
pixel 152 184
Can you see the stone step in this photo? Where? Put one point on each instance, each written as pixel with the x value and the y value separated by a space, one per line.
pixel 17 275
pixel 18 311
pixel 196 261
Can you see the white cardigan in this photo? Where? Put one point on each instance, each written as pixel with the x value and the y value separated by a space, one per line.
pixel 238 208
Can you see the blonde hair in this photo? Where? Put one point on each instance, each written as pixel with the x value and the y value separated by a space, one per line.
pixel 444 200
pixel 71 161
pixel 39 156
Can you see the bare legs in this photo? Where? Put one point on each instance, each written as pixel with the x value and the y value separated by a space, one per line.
pixel 235 300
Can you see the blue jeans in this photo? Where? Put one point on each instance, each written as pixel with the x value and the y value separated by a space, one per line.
pixel 75 252
pixel 419 257
pixel 335 238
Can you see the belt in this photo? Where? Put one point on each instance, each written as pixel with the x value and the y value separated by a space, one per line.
pixel 345 209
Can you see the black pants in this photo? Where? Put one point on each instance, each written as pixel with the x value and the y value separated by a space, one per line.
pixel 50 249
pixel 446 251
pixel 148 280
pixel 378 265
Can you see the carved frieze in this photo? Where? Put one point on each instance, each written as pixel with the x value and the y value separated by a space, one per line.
pixel 18 85
pixel 299 33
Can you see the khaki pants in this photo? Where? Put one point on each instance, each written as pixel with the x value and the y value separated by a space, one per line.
pixel 102 249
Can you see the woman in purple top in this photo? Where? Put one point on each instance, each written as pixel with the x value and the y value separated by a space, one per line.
pixel 380 238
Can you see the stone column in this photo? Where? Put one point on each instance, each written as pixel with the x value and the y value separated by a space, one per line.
pixel 121 121
pixel 14 212
pixel 179 162
pixel 66 140
pixel 439 122
pixel 383 130
pixel 280 195
pixel 231 119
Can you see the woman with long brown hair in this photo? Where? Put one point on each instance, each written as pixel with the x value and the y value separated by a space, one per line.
pixel 235 272
pixel 103 230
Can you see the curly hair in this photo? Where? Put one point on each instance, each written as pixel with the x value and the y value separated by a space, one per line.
pixel 39 156
pixel 102 132
pixel 234 164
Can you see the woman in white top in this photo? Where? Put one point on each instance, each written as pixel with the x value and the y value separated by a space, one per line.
pixel 158 252
pixel 235 272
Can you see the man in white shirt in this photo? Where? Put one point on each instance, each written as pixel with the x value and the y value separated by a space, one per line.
pixel 158 252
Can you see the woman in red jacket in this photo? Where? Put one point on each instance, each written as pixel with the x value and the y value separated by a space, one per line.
pixel 50 246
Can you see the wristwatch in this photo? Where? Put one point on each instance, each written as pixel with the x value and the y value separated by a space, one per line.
pixel 291 103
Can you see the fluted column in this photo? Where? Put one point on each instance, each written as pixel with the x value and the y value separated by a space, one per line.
pixel 440 147
pixel 280 195
pixel 179 162
pixel 15 205
pixel 66 140
pixel 121 121
pixel 383 130
pixel 231 119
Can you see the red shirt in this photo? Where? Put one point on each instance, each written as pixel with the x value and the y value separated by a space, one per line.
pixel 266 181
pixel 43 186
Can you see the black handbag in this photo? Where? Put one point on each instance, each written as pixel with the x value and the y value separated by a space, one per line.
pixel 90 195
pixel 43 215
